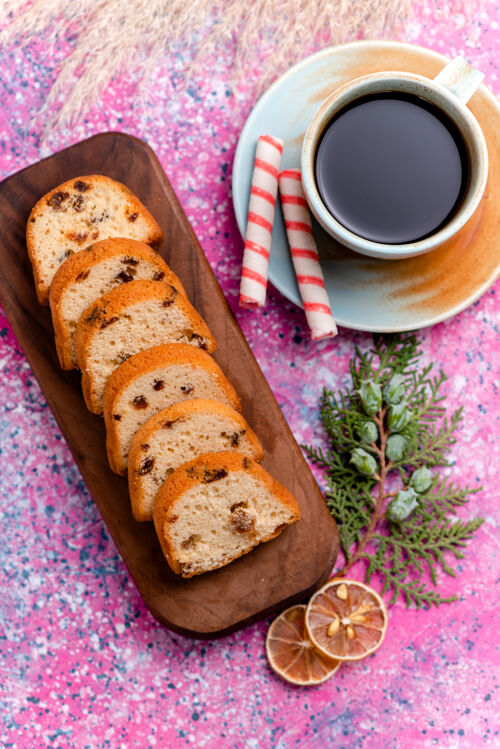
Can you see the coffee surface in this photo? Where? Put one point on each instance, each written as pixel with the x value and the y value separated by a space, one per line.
pixel 392 168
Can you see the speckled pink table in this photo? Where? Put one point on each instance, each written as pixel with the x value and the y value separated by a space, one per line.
pixel 82 662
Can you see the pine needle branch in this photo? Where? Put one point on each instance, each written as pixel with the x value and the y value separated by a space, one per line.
pixel 407 536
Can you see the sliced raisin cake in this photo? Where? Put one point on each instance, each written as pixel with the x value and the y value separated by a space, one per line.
pixel 217 508
pixel 176 435
pixel 89 274
pixel 130 319
pixel 77 213
pixel 153 380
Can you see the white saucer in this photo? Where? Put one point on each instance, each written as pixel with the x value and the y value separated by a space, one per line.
pixel 368 294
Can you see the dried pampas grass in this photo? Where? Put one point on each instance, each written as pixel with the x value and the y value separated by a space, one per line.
pixel 260 37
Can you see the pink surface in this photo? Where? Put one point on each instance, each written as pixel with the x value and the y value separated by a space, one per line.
pixel 82 662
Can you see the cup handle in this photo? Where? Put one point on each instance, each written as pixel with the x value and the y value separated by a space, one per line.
pixel 460 78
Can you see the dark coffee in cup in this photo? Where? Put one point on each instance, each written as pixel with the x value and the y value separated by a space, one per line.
pixel 392 168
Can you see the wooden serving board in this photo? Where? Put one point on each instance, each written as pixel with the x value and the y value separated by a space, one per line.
pixel 275 574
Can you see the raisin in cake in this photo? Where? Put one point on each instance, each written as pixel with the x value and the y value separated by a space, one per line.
pixel 217 508
pixel 153 380
pixel 89 274
pixel 130 319
pixel 77 213
pixel 176 435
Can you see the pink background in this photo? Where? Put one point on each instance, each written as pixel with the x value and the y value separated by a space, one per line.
pixel 82 662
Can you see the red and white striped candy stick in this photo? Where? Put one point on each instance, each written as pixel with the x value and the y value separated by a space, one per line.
pixel 260 222
pixel 305 256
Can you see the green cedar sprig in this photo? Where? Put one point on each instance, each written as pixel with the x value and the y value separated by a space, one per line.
pixel 404 534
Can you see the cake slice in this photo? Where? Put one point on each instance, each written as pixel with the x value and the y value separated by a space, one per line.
pixel 217 508
pixel 77 213
pixel 153 380
pixel 129 319
pixel 177 434
pixel 89 274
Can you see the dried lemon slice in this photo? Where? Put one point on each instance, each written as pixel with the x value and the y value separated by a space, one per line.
pixel 346 620
pixel 292 655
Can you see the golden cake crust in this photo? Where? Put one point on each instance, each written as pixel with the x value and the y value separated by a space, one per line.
pixel 111 306
pixel 71 195
pixel 160 356
pixel 202 470
pixel 179 411
pixel 147 362
pixel 75 268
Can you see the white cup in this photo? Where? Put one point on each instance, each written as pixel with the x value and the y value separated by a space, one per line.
pixel 449 91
